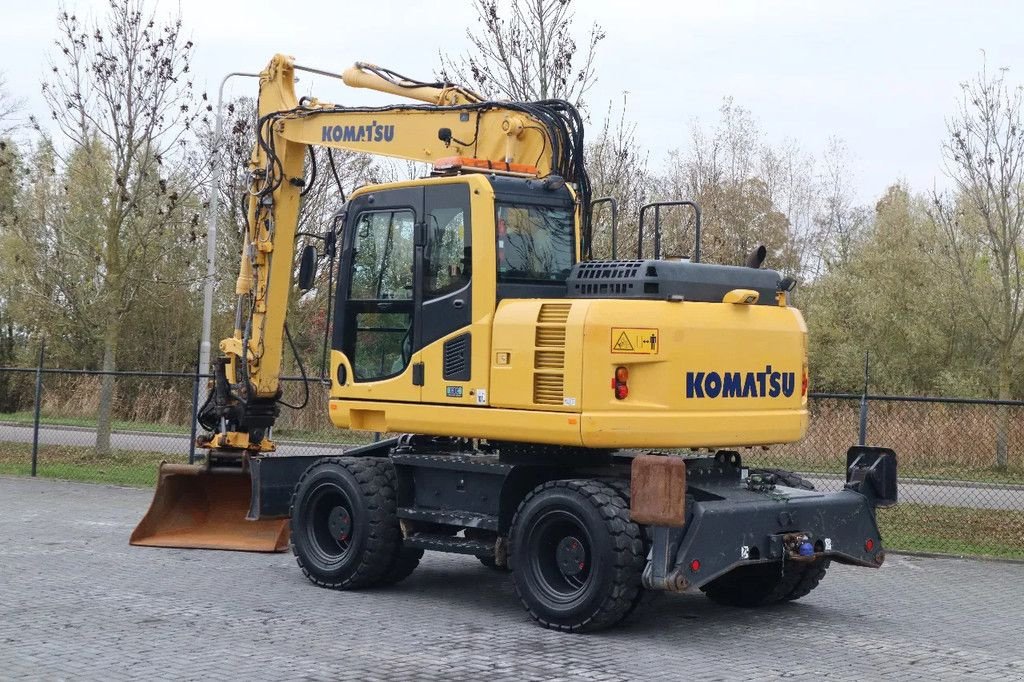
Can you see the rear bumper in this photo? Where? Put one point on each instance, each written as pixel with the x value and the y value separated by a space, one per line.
pixel 722 534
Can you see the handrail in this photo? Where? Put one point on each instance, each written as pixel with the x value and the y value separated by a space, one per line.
pixel 657 206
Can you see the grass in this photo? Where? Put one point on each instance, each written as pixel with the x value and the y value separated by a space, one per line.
pixel 71 463
pixel 953 530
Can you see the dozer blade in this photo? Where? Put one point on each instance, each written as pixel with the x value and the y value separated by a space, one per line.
pixel 195 508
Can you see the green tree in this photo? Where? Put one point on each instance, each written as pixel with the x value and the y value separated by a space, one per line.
pixel 888 297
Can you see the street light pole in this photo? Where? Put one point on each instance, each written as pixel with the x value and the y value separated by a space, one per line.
pixel 211 226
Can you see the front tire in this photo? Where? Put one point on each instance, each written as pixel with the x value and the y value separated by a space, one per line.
pixel 576 557
pixel 344 531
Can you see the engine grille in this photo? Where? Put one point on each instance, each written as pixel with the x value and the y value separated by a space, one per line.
pixel 549 354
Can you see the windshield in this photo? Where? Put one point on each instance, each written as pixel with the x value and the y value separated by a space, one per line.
pixel 534 242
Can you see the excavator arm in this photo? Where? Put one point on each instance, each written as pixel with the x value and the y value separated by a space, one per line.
pixel 539 138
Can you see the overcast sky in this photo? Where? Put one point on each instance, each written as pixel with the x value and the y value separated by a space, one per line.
pixel 883 76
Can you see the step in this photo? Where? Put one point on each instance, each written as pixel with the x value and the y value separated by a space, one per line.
pixel 447 543
pixel 462 519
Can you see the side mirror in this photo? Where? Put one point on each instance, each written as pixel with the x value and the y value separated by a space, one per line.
pixel 307 267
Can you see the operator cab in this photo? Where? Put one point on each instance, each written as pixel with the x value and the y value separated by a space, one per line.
pixel 422 260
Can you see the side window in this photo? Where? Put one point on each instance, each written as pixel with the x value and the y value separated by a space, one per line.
pixel 382 259
pixel 447 257
pixel 448 263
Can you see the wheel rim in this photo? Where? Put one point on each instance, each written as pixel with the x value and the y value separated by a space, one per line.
pixel 329 523
pixel 560 556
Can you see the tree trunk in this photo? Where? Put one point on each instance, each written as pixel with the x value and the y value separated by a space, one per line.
pixel 1003 413
pixel 107 386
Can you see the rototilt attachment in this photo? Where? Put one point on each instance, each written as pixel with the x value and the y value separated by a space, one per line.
pixel 201 508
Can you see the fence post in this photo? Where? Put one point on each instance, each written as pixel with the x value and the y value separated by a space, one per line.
pixel 37 406
pixel 195 407
pixel 863 432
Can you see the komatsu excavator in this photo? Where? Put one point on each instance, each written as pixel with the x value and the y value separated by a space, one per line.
pixel 572 420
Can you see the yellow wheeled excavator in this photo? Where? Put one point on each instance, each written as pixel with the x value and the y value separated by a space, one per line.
pixel 570 419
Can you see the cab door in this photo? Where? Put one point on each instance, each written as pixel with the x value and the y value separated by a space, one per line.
pixel 376 321
pixel 446 311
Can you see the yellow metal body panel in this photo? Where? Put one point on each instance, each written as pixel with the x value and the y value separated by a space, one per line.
pixel 723 375
pixel 543 341
pixel 696 341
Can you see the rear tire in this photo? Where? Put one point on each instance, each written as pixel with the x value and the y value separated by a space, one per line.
pixel 406 561
pixel 756 585
pixel 344 531
pixel 576 557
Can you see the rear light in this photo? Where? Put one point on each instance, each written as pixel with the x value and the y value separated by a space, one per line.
pixel 803 384
pixel 695 565
pixel 620 383
pixel 869 544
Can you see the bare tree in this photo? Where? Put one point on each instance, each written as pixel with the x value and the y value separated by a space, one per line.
pixel 617 164
pixel 10 107
pixel 983 221
pixel 840 221
pixel 744 187
pixel 121 95
pixel 523 50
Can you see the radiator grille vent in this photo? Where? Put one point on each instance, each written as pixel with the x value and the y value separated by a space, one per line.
pixel 554 313
pixel 549 359
pixel 547 389
pixel 456 358
pixel 549 354
pixel 551 336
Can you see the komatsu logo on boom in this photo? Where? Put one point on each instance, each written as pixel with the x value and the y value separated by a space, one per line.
pixel 372 132
pixel 766 384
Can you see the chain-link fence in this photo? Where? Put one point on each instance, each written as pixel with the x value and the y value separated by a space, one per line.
pixel 961 461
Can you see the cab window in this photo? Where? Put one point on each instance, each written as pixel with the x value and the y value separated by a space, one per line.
pixel 382 259
pixel 534 243
pixel 448 260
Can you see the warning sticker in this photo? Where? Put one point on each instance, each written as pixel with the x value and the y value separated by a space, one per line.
pixel 635 341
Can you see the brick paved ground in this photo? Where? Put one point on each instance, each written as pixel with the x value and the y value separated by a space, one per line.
pixel 77 602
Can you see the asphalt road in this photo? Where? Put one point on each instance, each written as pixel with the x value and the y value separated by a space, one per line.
pixel 951 494
pixel 76 602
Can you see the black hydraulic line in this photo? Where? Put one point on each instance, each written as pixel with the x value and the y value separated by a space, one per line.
pixel 312 172
pixel 334 172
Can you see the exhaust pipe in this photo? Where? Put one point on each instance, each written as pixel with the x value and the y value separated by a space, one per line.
pixel 756 257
